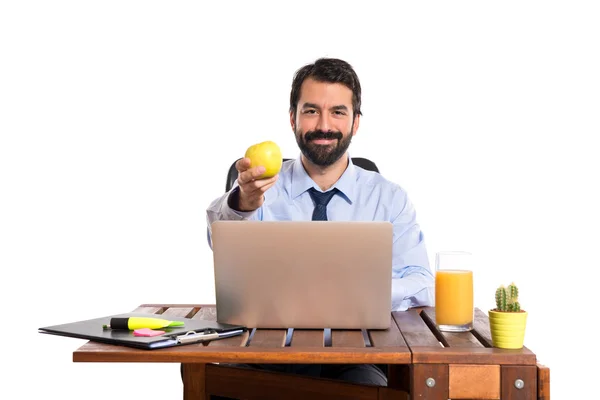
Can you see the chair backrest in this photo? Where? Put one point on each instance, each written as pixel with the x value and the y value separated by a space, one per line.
pixel 365 163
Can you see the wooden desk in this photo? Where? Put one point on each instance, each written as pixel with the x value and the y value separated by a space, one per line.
pixel 421 360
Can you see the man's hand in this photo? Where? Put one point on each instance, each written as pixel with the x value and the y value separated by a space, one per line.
pixel 252 189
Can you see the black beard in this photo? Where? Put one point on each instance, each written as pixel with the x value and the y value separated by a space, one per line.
pixel 323 155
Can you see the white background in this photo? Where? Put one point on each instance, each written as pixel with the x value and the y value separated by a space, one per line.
pixel 119 119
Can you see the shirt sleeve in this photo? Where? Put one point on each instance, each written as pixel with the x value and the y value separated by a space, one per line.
pixel 412 279
pixel 220 210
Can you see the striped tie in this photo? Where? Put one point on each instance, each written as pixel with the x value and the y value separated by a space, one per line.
pixel 321 199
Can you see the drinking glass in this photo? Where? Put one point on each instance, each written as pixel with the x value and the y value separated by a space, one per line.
pixel 454 291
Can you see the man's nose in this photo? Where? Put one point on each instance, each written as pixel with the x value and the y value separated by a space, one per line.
pixel 324 123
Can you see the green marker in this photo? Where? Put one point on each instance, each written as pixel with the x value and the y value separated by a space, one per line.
pixel 133 323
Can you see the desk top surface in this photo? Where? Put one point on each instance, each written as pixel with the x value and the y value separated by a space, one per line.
pixel 412 338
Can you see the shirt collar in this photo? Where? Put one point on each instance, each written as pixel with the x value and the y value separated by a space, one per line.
pixel 301 182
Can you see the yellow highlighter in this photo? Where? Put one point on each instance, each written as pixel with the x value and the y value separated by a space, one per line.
pixel 133 323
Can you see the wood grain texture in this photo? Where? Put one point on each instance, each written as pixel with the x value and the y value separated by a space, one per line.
pixel 464 347
pixel 268 338
pixel 347 338
pixel 206 313
pixel 254 384
pixel 462 339
pixel 414 330
pixel 474 381
pixel 307 347
pixel 194 382
pixel 419 388
pixel 527 373
pixel 307 338
pixel 481 328
pixel 437 355
pixel 543 382
pixel 389 347
pixel 451 339
pixel 195 353
pixel 387 338
pixel 183 312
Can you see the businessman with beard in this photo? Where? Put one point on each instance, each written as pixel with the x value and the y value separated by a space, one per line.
pixel 324 184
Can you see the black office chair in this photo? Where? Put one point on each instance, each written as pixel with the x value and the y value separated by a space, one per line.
pixel 232 175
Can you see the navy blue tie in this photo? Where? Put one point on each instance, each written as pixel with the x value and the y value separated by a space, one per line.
pixel 321 199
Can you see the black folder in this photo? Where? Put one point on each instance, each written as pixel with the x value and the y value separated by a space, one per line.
pixel 193 331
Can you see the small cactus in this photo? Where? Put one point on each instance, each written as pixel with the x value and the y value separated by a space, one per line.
pixel 507 298
pixel 513 291
pixel 501 298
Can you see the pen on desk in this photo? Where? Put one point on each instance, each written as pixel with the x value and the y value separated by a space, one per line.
pixel 133 323
pixel 192 336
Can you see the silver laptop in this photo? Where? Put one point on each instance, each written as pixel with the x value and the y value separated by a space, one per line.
pixel 303 274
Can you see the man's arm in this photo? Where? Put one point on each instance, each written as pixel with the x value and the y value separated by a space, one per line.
pixel 245 197
pixel 412 279
pixel 226 208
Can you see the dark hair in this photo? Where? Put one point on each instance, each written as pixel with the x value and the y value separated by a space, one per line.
pixel 330 70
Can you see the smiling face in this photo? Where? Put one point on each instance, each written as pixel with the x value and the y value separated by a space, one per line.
pixel 324 122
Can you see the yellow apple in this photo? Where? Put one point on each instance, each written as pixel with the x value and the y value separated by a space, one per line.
pixel 266 154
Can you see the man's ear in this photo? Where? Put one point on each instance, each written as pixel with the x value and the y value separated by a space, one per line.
pixel 293 121
pixel 355 124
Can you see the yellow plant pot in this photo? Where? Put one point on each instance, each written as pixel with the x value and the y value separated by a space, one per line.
pixel 508 329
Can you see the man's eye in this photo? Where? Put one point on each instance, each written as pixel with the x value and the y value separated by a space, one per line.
pixel 309 111
pixel 338 112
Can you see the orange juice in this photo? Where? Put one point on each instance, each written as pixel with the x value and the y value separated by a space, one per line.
pixel 454 299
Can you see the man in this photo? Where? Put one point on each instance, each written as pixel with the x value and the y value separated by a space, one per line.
pixel 325 115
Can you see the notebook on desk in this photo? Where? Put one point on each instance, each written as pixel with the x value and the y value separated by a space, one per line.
pixel 192 331
pixel 303 274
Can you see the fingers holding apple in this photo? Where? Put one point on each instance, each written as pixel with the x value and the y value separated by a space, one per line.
pixel 252 193
pixel 252 188
pixel 257 173
pixel 246 173
pixel 242 165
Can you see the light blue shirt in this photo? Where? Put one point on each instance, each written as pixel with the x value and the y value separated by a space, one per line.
pixel 364 196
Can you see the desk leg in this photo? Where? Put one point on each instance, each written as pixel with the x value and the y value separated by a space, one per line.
pixel 194 381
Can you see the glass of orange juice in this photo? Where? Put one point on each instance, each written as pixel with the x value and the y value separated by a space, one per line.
pixel 454 291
